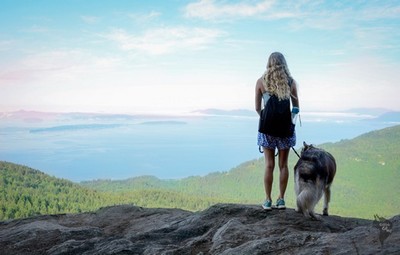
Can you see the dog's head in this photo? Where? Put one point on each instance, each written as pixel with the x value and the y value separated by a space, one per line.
pixel 307 147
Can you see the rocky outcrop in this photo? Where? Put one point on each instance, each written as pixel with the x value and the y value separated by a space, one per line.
pixel 221 229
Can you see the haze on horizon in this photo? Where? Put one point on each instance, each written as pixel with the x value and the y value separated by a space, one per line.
pixel 179 56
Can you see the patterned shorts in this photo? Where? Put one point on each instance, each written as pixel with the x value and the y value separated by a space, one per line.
pixel 272 142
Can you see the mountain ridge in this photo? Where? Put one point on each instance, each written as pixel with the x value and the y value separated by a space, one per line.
pixel 377 114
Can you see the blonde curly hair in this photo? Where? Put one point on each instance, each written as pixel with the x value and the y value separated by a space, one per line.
pixel 276 77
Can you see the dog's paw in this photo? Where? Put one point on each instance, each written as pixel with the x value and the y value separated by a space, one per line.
pixel 325 212
pixel 315 216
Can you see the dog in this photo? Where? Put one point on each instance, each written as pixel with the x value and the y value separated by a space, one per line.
pixel 313 176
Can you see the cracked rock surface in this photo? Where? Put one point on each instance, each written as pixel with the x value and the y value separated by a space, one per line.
pixel 221 229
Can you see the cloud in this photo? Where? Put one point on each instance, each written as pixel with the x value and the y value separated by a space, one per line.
pixel 6 45
pixel 33 66
pixel 381 12
pixel 165 40
pixel 55 65
pixel 376 38
pixel 362 81
pixel 327 15
pixel 142 18
pixel 36 29
pixel 90 19
pixel 210 9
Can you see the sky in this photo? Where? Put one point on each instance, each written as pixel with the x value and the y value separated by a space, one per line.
pixel 176 56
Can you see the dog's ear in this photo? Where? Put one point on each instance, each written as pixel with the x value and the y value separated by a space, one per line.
pixel 305 147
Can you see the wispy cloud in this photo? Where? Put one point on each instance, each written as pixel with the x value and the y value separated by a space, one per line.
pixel 6 45
pixel 165 40
pixel 36 29
pixel 300 14
pixel 60 65
pixel 90 19
pixel 328 16
pixel 210 9
pixel 376 37
pixel 144 17
pixel 37 65
pixel 384 11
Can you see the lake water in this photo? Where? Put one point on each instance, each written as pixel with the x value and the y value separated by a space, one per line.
pixel 167 147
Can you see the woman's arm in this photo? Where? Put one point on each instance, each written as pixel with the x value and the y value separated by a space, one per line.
pixel 293 95
pixel 258 96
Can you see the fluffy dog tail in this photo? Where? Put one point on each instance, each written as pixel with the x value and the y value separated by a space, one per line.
pixel 309 195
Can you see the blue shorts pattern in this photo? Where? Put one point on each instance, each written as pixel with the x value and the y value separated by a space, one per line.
pixel 272 142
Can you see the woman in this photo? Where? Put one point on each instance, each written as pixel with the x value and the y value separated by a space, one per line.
pixel 276 81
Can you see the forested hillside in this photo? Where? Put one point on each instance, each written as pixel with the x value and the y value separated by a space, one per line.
pixel 368 174
pixel 26 192
pixel 366 184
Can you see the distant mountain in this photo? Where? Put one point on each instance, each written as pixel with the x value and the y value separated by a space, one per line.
pixel 369 111
pixel 380 112
pixel 37 116
pixel 163 122
pixel 74 128
pixel 219 112
pixel 388 117
pixel 29 116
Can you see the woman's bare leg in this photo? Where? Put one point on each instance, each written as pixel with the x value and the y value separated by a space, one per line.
pixel 284 171
pixel 269 170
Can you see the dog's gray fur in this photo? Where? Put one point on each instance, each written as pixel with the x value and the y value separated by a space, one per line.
pixel 313 176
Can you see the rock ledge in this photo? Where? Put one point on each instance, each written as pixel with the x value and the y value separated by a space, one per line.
pixel 221 229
